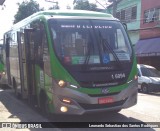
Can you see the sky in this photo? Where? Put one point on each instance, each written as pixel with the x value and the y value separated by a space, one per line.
pixel 11 8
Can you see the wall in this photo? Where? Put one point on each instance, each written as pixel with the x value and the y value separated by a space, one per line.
pixel 152 31
pixel 134 25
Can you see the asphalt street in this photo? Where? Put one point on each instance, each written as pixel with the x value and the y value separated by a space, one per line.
pixel 146 110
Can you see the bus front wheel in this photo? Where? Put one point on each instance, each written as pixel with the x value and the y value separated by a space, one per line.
pixel 44 105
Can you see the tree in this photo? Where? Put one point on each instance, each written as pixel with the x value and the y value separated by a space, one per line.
pixel 84 5
pixel 26 8
pixel 114 4
pixel 93 7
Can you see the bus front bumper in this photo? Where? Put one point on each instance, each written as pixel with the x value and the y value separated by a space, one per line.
pixel 81 103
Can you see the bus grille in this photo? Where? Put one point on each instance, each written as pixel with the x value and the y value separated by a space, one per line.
pixel 90 84
pixel 101 95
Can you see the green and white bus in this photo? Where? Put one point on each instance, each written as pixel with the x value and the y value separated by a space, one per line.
pixel 1 62
pixel 72 62
pixel 2 72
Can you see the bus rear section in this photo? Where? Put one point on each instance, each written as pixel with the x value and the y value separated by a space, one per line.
pixel 73 62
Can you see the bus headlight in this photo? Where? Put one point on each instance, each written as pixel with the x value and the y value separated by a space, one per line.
pixel 62 83
pixel 64 109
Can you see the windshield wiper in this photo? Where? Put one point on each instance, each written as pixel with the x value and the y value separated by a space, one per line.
pixel 87 57
pixel 107 46
pixel 90 47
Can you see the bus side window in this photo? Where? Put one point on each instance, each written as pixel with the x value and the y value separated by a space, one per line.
pixel 37 40
pixel 1 52
pixel 7 46
pixel 38 44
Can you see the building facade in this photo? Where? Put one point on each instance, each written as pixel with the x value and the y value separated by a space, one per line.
pixel 148 47
pixel 143 21
pixel 129 12
pixel 150 15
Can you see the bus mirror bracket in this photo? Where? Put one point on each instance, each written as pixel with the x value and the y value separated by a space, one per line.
pixel 37 34
pixel 125 26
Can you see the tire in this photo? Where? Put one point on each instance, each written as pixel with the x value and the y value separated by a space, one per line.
pixel 2 86
pixel 15 89
pixel 144 88
pixel 44 105
pixel 116 111
pixel 139 90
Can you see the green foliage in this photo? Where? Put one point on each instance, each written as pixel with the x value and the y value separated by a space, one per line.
pixel 84 5
pixel 26 8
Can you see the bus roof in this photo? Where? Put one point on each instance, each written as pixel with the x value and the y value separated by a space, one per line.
pixel 78 14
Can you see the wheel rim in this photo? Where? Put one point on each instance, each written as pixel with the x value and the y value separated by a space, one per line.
pixel 144 89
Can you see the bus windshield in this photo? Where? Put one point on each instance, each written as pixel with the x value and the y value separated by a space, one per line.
pixel 91 42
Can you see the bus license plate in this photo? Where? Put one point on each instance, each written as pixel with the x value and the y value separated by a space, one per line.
pixel 105 100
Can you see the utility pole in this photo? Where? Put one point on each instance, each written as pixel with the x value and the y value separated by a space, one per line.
pixel 114 7
pixel 54 6
pixel 115 2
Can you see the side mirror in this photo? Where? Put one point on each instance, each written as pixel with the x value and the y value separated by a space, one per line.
pixel 125 26
pixel 38 36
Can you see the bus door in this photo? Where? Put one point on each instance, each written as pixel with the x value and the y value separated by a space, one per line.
pixel 7 62
pixel 30 64
pixel 1 60
pixel 22 64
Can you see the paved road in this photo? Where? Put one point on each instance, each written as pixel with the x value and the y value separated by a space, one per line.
pixel 147 110
pixel 14 110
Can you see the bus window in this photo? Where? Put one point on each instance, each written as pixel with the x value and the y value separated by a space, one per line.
pixel 7 47
pixel 1 53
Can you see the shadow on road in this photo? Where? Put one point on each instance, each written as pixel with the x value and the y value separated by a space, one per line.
pixel 14 110
pixel 96 117
pixel 101 118
pixel 21 111
pixel 154 94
